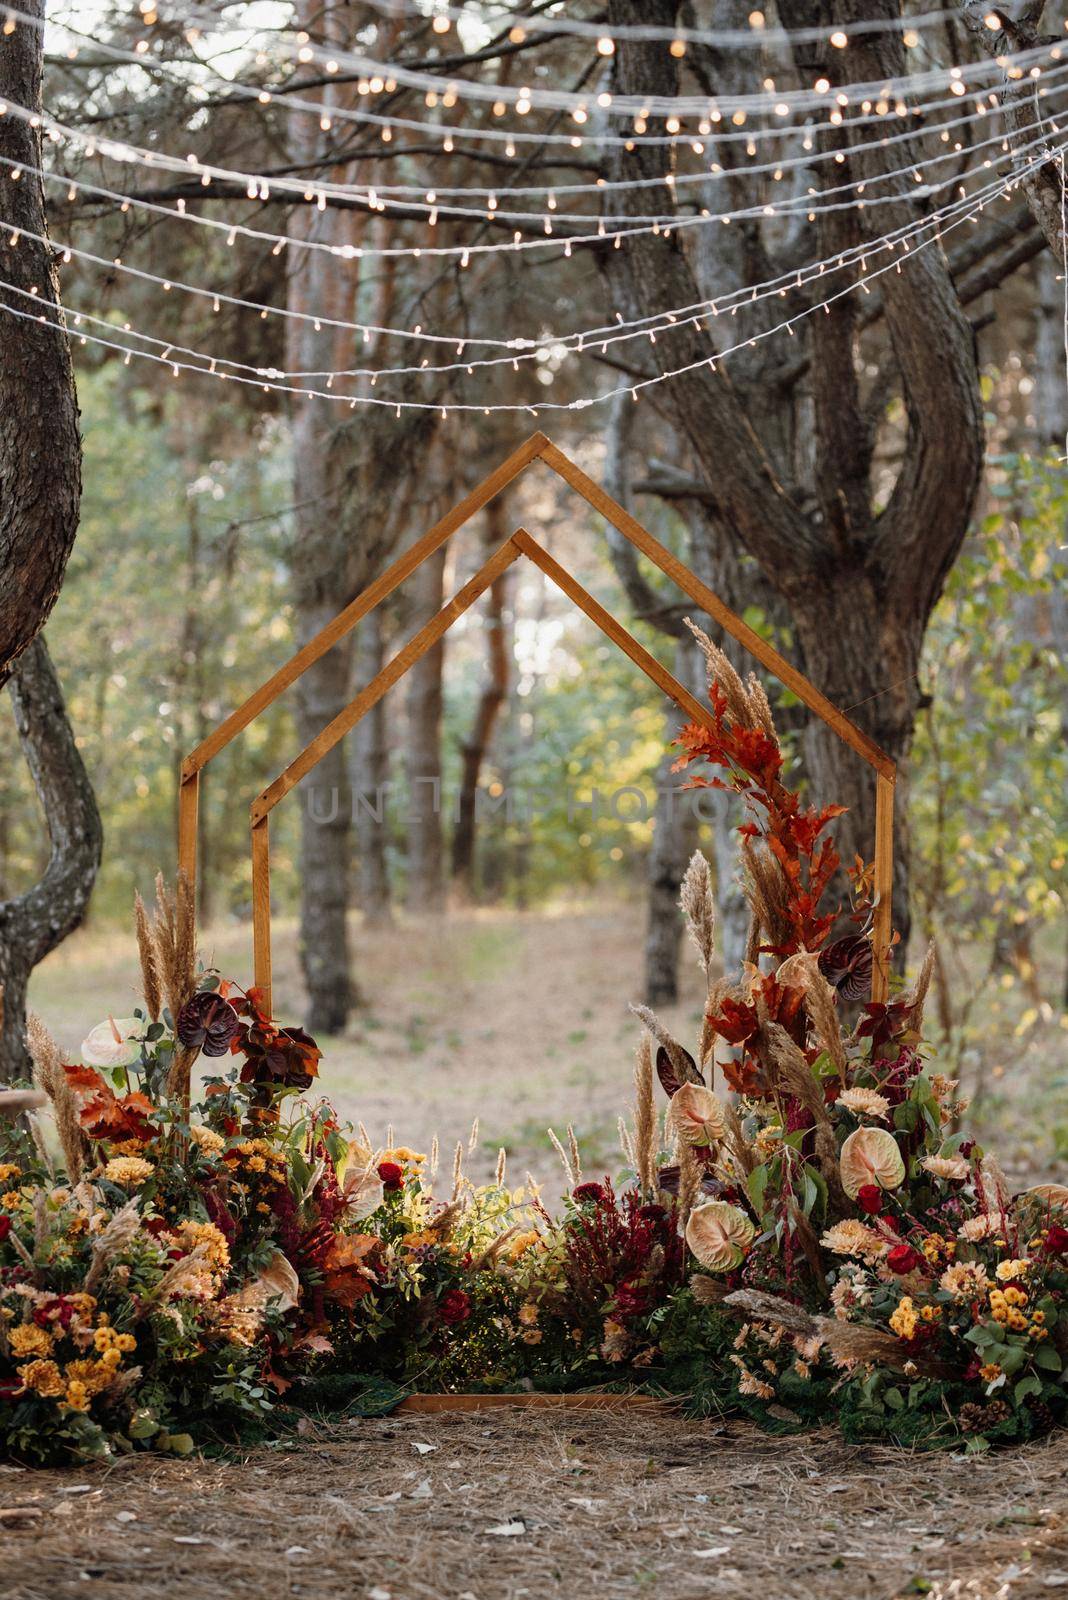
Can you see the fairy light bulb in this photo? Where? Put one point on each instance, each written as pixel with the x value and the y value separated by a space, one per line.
pixel 441 24
pixel 606 46
pixel 839 39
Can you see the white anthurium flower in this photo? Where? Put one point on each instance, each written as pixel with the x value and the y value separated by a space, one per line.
pixel 871 1155
pixel 696 1115
pixel 114 1043
pixel 719 1235
pixel 1054 1194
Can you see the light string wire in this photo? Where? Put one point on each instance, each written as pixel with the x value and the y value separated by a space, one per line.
pixel 811 204
pixel 643 106
pixel 464 252
pixel 954 76
pixel 970 210
pixel 755 37
pixel 318 108
pixel 602 337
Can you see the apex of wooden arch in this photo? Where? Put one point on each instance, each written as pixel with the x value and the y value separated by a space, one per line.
pixel 536 448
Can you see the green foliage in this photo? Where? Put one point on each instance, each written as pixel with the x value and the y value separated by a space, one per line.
pixel 990 760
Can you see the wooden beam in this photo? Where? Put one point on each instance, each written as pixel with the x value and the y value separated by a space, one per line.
pixel 395 669
pixel 188 810
pixel 613 629
pixel 261 910
pixel 364 602
pixel 675 569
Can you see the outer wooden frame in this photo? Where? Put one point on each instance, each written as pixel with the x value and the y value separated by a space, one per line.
pixel 538 447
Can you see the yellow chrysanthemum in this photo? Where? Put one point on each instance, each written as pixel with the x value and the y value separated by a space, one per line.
pixel 129 1171
pixel 903 1320
pixel 43 1377
pixel 30 1340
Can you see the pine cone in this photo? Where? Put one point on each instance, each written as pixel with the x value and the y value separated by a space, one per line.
pixel 207 1023
pixel 1043 1416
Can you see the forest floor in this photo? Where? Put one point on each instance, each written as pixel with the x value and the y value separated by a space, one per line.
pixel 520 1019
pixel 510 1504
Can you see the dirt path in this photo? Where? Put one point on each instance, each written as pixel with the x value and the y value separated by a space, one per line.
pixel 521 1020
pixel 500 1506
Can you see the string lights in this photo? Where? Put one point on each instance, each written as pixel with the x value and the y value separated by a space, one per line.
pixel 881 99
pixel 206 365
pixel 521 351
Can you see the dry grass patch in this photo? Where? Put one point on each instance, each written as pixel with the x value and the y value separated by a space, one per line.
pixel 498 1506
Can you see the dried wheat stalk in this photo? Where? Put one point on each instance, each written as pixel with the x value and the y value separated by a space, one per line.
pixel 918 997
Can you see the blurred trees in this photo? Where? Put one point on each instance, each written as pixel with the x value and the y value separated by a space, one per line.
pixel 820 482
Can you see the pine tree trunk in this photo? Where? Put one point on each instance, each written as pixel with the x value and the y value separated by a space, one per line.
pixel 675 829
pixel 370 783
pixel 424 700
pixel 38 920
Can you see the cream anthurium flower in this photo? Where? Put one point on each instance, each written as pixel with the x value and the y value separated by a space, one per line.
pixel 871 1155
pixel 114 1043
pixel 696 1115
pixel 953 1168
pixel 719 1235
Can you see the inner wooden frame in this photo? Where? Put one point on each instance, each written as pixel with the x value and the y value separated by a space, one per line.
pixel 537 447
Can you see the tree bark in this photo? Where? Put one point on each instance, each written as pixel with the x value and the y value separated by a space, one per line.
pixel 675 829
pixel 370 782
pixel 37 921
pixel 859 584
pixel 424 700
pixel 492 697
pixel 40 452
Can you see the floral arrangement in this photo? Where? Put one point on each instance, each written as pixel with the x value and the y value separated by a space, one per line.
pixel 820 1240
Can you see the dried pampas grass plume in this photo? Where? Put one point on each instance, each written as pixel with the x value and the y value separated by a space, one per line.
pixel 677 1055
pixel 151 986
pixel 747 703
pixel 698 905
pixel 690 1175
pixel 645 1128
pixel 917 999
pixel 50 1077
pixel 766 892
pixel 565 1159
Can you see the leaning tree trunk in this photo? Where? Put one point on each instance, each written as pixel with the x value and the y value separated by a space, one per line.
pixel 40 452
pixel 37 921
pixel 859 580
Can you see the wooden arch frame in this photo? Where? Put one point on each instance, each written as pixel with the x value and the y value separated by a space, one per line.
pixel 537 447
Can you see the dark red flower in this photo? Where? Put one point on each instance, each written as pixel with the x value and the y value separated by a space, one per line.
pixel 5 1226
pixel 589 1193
pixel 454 1306
pixel 391 1174
pixel 1056 1240
pixel 870 1198
pixel 847 966
pixel 208 1023
pixel 903 1258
